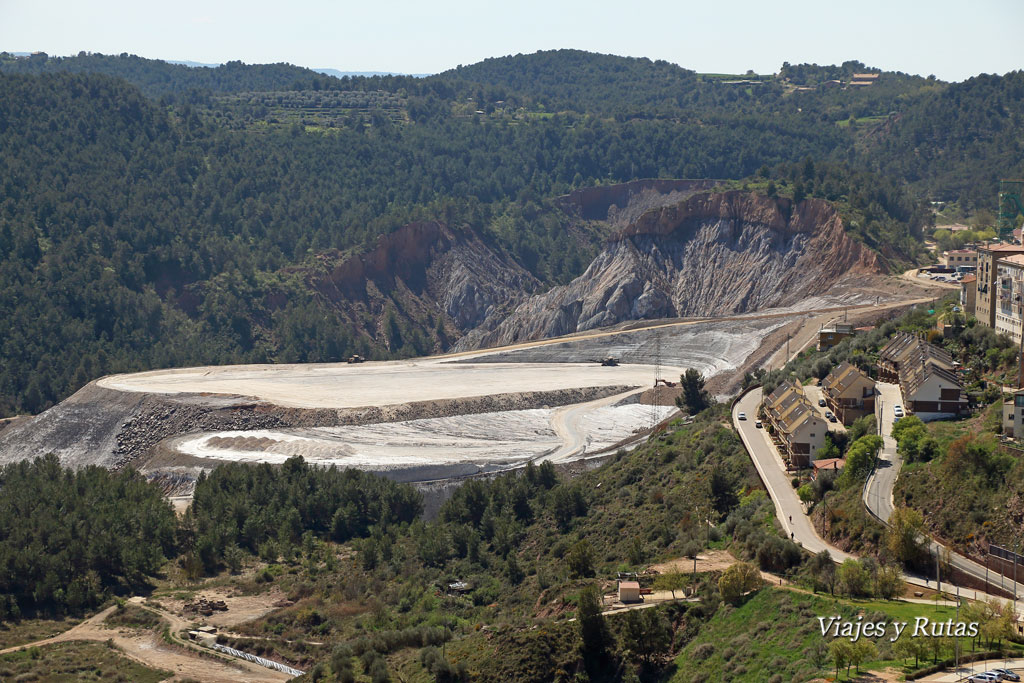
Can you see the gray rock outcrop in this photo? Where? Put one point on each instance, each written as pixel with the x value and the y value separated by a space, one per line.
pixel 711 254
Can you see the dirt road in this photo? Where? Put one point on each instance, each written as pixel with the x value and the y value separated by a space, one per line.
pixel 149 648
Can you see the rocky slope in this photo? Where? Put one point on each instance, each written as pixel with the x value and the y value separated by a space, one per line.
pixel 430 277
pixel 707 255
pixel 440 283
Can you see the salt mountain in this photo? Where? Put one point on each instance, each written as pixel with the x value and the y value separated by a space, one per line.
pixel 712 253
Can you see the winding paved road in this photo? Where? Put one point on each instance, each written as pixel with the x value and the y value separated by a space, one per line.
pixel 878 491
pixel 797 523
pixel 769 465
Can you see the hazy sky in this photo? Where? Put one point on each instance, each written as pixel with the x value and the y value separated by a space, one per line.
pixel 953 39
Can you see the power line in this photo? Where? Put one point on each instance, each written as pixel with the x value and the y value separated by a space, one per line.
pixel 657 380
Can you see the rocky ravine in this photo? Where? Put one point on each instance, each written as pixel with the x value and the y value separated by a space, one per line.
pixel 711 254
pixel 435 276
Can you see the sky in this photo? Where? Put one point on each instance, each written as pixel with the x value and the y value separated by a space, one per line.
pixel 952 39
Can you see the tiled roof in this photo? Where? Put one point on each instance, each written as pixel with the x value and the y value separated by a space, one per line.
pixel 843 377
pixel 829 464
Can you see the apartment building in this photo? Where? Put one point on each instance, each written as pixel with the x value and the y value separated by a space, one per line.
pixel 1009 299
pixel 960 257
pixel 988 270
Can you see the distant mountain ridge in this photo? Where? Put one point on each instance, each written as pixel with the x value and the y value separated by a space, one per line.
pixel 364 74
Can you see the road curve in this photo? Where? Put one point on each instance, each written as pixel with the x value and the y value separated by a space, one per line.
pixel 790 510
pixel 878 491
pixel 566 424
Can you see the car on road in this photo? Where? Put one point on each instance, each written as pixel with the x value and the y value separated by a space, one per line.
pixel 831 418
pixel 897 411
pixel 741 416
pixel 758 424
pixel 821 402
pixel 1006 674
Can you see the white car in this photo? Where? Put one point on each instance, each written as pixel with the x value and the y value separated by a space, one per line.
pixel 897 411
pixel 742 416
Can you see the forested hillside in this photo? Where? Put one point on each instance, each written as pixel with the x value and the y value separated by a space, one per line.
pixel 156 77
pixel 156 215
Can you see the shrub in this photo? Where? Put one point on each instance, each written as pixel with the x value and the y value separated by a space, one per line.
pixel 703 651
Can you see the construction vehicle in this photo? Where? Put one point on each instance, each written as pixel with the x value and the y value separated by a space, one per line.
pixel 610 362
pixel 205 607
pixel 665 382
pixel 355 359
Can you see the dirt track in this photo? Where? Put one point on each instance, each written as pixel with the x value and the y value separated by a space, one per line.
pixel 149 648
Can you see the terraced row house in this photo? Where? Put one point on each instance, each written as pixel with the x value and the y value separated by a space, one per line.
pixel 796 427
pixel 927 376
pixel 849 393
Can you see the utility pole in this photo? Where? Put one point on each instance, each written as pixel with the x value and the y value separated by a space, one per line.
pixel 956 642
pixel 657 381
pixel 824 514
pixel 1016 550
pixel 1020 368
pixel 987 555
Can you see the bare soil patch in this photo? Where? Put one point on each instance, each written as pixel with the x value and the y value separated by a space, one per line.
pixel 241 608
pixel 709 561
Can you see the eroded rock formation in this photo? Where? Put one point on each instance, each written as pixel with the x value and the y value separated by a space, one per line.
pixel 708 255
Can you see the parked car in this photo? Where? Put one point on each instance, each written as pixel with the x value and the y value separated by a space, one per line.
pixel 821 402
pixel 831 418
pixel 897 411
pixel 985 677
pixel 1006 674
pixel 742 416
pixel 758 424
